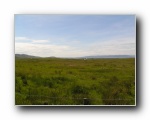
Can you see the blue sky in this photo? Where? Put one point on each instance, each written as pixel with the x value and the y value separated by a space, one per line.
pixel 75 35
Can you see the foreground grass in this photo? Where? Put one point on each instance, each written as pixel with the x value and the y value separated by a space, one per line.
pixel 53 81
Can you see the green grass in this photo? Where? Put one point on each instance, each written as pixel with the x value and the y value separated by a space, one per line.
pixel 53 81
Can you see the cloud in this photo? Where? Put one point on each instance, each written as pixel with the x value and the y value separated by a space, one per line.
pixel 40 41
pixel 43 50
pixel 21 38
pixel 46 48
pixel 30 40
pixel 118 46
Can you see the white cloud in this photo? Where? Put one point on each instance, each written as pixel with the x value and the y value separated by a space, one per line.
pixel 21 38
pixel 29 40
pixel 47 50
pixel 40 41
pixel 44 48
pixel 114 47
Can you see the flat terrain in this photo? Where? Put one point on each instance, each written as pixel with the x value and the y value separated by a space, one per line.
pixel 54 81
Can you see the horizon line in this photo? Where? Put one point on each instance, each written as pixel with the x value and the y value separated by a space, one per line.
pixel 90 56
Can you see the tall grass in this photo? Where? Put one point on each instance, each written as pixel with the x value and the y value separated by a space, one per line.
pixel 52 81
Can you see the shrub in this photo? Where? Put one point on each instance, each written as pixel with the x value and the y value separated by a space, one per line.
pixel 79 90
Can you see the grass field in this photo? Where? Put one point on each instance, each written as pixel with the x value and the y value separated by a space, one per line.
pixel 54 81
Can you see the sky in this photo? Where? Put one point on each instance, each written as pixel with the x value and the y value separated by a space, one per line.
pixel 75 35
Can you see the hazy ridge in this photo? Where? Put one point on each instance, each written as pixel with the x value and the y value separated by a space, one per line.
pixel 96 56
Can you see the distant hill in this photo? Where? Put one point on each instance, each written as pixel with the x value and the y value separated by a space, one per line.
pixel 51 57
pixel 110 56
pixel 21 56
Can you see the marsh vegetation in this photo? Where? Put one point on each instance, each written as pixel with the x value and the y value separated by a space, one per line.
pixel 54 81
